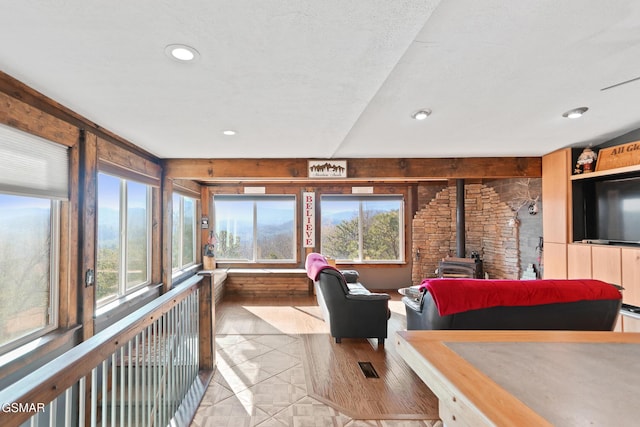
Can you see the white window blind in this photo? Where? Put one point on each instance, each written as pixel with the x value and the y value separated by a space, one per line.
pixel 32 166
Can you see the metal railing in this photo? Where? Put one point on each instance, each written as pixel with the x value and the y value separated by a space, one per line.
pixel 144 370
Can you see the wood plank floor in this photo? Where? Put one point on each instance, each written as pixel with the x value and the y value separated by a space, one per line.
pixel 335 378
pixel 270 341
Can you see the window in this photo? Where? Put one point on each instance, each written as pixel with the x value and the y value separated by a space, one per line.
pixel 362 228
pixel 255 228
pixel 28 266
pixel 124 237
pixel 184 232
pixel 33 179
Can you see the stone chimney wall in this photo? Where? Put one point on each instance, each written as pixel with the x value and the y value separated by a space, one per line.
pixel 488 232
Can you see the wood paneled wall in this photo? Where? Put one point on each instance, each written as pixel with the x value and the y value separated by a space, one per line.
pixel 267 284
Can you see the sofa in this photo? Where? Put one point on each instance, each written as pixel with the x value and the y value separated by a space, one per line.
pixel 580 305
pixel 350 309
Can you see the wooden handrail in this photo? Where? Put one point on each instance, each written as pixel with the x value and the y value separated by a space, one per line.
pixel 44 384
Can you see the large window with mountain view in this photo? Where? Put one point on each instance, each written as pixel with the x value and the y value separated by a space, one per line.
pixel 124 237
pixel 34 179
pixel 255 228
pixel 28 265
pixel 183 245
pixel 362 228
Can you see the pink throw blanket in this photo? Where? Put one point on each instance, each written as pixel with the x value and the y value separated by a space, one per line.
pixel 315 263
pixel 458 295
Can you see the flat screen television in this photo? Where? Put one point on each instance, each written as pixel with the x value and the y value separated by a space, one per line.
pixel 617 204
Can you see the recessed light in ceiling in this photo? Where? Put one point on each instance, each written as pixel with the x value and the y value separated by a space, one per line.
pixel 229 132
pixel 181 52
pixel 575 113
pixel 421 114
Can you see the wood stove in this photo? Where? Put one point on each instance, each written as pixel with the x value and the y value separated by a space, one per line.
pixel 470 268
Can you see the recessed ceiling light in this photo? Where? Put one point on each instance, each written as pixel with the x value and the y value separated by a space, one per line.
pixel 575 113
pixel 421 114
pixel 229 132
pixel 181 52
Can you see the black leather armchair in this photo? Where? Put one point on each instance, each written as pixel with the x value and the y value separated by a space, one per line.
pixel 350 309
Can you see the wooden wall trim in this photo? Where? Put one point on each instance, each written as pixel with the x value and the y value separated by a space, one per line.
pixel 210 170
pixel 186 187
pixel 167 229
pixel 88 215
pixel 205 211
pixel 156 236
pixel 130 165
pixel 69 247
pixel 20 115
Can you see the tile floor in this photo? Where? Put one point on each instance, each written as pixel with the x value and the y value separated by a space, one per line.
pixel 260 381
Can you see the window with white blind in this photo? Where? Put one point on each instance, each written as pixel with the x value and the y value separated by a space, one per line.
pixel 33 180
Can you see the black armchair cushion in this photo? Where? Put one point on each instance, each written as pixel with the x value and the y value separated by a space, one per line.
pixel 351 276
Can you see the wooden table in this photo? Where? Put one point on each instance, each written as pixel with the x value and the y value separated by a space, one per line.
pixel 528 378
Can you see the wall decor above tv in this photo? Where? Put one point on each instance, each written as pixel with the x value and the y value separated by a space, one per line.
pixel 619 156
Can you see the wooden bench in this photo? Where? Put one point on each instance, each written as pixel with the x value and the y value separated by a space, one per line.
pixel 268 282
pixel 218 277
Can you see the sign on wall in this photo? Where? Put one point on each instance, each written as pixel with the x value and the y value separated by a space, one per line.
pixel 309 219
pixel 327 168
pixel 619 156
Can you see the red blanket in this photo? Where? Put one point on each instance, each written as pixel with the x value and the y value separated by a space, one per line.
pixel 458 295
pixel 315 263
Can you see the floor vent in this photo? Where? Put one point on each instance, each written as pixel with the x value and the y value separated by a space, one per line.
pixel 368 370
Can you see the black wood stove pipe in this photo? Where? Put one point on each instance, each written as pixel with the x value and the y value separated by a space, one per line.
pixel 460 230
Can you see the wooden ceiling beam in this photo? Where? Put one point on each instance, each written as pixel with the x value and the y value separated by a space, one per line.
pixel 211 170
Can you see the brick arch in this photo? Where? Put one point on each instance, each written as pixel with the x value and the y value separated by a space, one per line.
pixel 487 232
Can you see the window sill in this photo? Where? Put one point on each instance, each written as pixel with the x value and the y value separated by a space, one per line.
pixel 178 276
pixel 271 271
pixel 263 262
pixel 372 263
pixel 115 310
pixel 38 351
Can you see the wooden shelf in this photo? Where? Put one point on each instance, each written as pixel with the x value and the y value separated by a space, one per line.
pixel 608 172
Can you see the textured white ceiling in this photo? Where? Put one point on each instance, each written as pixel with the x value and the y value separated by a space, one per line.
pixel 320 79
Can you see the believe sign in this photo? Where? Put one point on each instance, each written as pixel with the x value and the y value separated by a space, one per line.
pixel 309 219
